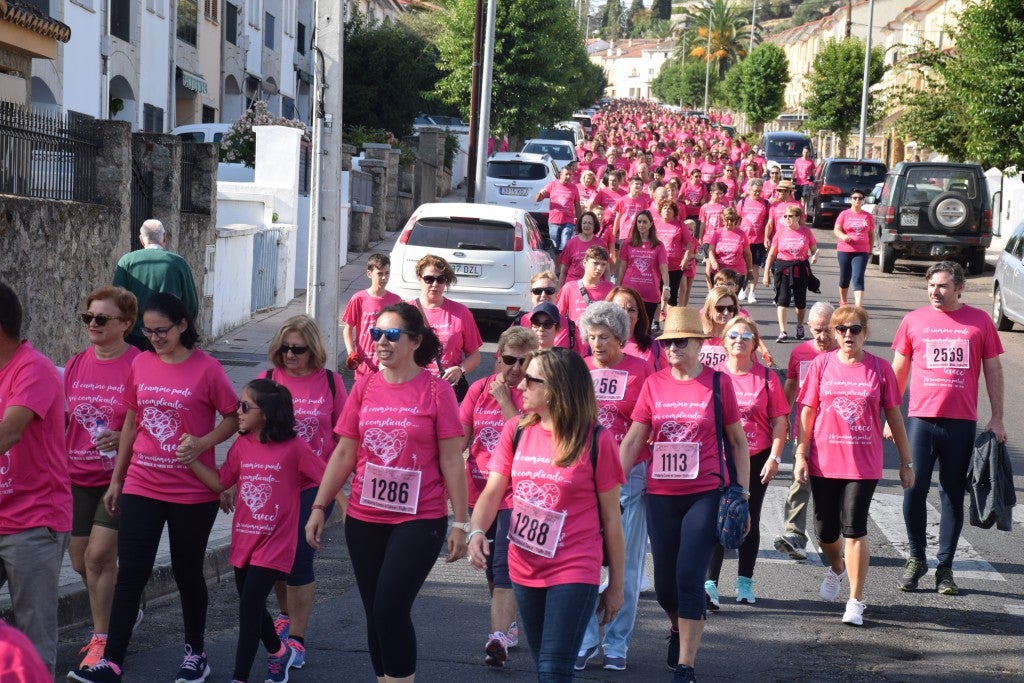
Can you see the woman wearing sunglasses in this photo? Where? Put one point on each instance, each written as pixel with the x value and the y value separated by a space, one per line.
pixel 544 289
pixel 565 481
pixel 855 232
pixel 298 355
pixel 676 407
pixel 839 450
pixel 728 247
pixel 400 435
pixel 173 395
pixel 570 261
pixel 794 249
pixel 617 379
pixel 720 307
pixel 490 403
pixel 764 414
pixel 451 321
pixel 94 383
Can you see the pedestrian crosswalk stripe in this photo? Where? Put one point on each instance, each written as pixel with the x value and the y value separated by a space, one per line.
pixel 773 521
pixel 887 513
pixel 1015 608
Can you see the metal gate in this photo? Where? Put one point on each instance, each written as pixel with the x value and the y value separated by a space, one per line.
pixel 142 201
pixel 264 268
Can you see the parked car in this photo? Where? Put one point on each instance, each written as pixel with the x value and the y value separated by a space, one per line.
pixel 515 178
pixel 584 120
pixel 450 123
pixel 783 148
pixel 560 150
pixel 556 133
pixel 201 132
pixel 834 180
pixel 494 250
pixel 934 211
pixel 1008 283
pixel 576 127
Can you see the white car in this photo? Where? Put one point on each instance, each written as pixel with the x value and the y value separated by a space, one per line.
pixel 515 178
pixel 201 132
pixel 494 250
pixel 561 151
pixel 1008 283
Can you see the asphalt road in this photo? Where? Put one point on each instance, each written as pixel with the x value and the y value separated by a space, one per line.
pixel 789 635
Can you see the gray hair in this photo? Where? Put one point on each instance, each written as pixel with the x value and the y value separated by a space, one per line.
pixel 152 232
pixel 518 337
pixel 608 314
pixel 821 309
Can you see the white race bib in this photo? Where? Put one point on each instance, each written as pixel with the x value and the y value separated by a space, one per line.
pixel 609 384
pixel 391 489
pixel 675 460
pixel 534 528
pixel 947 354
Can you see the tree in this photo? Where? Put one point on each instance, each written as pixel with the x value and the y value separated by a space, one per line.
pixel 661 9
pixel 730 34
pixel 681 83
pixel 634 16
pixel 763 80
pixel 730 94
pixel 540 63
pixel 612 20
pixel 835 84
pixel 932 114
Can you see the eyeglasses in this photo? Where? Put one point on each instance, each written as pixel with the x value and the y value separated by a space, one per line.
pixel 431 279
pixel 513 360
pixel 791 215
pixel 533 380
pixel 852 329
pixel 856 199
pixel 159 332
pixel 245 407
pixel 725 309
pixel 294 350
pixel 546 324
pixel 391 334
pixel 731 221
pixel 537 291
pixel 100 320
pixel 745 336
pixel 678 343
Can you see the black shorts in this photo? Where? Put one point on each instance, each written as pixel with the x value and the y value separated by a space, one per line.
pixel 841 507
pixel 758 254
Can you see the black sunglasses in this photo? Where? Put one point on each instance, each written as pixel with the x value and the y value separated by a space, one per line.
pixel 546 324
pixel 512 360
pixel 295 350
pixel 852 329
pixel 725 309
pixel 680 343
pixel 245 407
pixel 431 279
pixel 533 380
pixel 101 320
pixel 537 291
pixel 391 334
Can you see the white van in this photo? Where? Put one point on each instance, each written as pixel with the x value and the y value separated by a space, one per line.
pixel 201 132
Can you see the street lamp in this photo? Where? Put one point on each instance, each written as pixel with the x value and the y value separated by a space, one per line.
pixel 753 26
pixel 707 56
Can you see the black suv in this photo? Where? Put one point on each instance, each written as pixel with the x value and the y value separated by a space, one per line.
pixel 834 181
pixel 935 211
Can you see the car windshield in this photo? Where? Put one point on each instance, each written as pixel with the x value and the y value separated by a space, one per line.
pixel 560 152
pixel 469 233
pixel 861 175
pixel 926 183
pixel 516 170
pixel 784 148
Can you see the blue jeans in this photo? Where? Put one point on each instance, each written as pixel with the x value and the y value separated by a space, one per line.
pixel 951 443
pixel 682 530
pixel 634 522
pixel 554 619
pixel 560 234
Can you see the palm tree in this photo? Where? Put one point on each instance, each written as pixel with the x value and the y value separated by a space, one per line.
pixel 730 33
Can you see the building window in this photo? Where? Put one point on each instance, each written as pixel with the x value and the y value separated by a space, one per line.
pixel 231 23
pixel 211 10
pixel 300 38
pixel 188 15
pixel 209 114
pixel 121 19
pixel 268 30
pixel 152 119
pixel 288 107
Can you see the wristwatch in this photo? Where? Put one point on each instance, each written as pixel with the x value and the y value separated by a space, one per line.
pixel 777 459
pixel 463 525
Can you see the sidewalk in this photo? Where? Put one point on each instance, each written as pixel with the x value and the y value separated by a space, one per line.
pixel 243 354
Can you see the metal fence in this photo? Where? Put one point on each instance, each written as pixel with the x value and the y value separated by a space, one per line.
pixel 189 160
pixel 46 155
pixel 305 166
pixel 362 188
pixel 264 268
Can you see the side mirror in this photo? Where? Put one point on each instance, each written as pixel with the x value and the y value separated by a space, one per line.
pixel 870 199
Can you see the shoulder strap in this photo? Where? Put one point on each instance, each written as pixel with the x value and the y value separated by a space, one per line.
pixel 724 452
pixel 584 293
pixel 437 358
pixel 572 334
pixel 269 374
pixel 330 384
pixel 515 438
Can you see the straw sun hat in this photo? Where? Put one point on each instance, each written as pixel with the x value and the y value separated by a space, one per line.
pixel 683 322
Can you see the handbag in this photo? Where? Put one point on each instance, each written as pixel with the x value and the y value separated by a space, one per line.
pixel 733 509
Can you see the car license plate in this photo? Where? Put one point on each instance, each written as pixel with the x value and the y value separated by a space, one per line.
pixel 464 269
pixel 513 191
pixel 846 200
pixel 909 219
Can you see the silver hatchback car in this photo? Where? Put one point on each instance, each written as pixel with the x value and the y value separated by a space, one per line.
pixel 1008 283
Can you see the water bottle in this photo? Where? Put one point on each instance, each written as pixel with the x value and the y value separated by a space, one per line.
pixel 106 457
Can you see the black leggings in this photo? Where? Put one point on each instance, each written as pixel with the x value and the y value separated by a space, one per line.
pixel 141 525
pixel 675 277
pixel 748 550
pixel 254 621
pixel 390 563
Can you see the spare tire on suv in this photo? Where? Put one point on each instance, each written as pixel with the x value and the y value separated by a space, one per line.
pixel 950 211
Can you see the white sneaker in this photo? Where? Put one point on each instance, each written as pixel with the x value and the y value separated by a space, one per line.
pixel 830 585
pixel 854 614
pixel 751 299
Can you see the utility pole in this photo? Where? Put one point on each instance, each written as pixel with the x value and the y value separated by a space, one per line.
pixel 864 89
pixel 325 225
pixel 753 26
pixel 474 102
pixel 483 132
pixel 849 18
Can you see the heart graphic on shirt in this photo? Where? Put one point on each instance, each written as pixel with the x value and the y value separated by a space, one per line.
pixel 642 265
pixel 254 495
pixel 306 428
pixel 678 432
pixel 745 413
pixel 488 438
pixel 541 495
pixel 606 415
pixel 849 409
pixel 385 445
pixel 162 424
pixel 89 416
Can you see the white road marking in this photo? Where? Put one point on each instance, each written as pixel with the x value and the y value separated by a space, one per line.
pixel 773 521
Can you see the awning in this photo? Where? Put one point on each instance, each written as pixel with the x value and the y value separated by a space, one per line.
pixel 193 82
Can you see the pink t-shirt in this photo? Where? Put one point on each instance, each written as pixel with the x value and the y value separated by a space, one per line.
pixel 35 490
pixel 681 415
pixel 674 237
pixel 481 413
pixel 628 207
pixel 692 196
pixel 573 254
pixel 564 197
pixel 19 659
pixel 94 390
pixel 847 439
pixel 731 188
pixel 946 352
pixel 563 500
pixel 643 269
pixel 730 248
pixel 269 477
pixel 617 389
pixel 361 314
pixel 654 355
pixel 711 219
pixel 857 225
pixel 170 400
pixel 562 339
pixel 587 193
pixel 803 169
pixel 571 300
pixel 712 352
pixel 753 217
pixel 793 245
pixel 398 426
pixel 800 361
pixel 760 401
pixel 775 219
pixel 316 411
pixel 457 330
